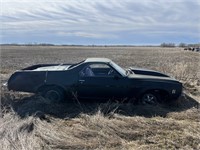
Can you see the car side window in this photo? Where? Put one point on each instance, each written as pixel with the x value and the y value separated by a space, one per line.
pixel 87 72
pixel 98 70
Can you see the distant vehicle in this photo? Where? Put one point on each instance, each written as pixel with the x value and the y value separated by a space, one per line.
pixel 96 78
pixel 197 49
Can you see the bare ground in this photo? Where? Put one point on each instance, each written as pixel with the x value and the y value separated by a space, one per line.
pixel 31 122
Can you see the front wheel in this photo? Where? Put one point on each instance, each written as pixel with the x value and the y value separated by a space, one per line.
pixel 149 98
pixel 54 94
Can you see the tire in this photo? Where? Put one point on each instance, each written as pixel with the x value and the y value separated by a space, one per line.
pixel 54 94
pixel 149 98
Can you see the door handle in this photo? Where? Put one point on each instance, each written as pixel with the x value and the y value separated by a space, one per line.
pixel 81 81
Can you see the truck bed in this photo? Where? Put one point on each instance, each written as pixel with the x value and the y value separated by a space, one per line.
pixel 48 67
pixel 32 77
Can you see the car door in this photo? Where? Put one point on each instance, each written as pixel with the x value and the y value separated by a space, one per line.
pixel 101 84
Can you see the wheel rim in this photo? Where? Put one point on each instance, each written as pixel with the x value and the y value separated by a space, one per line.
pixel 149 99
pixel 53 95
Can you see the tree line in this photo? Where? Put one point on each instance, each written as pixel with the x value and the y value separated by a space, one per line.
pixel 164 44
pixel 179 45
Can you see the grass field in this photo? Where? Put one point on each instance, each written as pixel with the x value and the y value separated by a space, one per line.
pixel 31 122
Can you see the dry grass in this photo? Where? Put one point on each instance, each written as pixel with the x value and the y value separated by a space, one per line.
pixel 99 130
pixel 31 122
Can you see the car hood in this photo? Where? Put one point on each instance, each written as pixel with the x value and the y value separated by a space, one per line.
pixel 150 77
pixel 141 73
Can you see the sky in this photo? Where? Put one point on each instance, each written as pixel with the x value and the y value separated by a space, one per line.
pixel 100 22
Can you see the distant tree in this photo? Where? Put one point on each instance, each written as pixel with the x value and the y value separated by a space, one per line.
pixel 194 45
pixel 182 45
pixel 167 45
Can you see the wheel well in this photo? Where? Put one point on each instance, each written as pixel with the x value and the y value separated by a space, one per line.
pixel 43 87
pixel 163 94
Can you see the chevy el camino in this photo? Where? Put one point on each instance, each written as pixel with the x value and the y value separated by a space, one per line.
pixel 96 78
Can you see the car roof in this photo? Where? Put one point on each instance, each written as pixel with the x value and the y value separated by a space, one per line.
pixel 104 60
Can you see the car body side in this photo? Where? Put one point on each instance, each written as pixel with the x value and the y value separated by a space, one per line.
pixel 130 86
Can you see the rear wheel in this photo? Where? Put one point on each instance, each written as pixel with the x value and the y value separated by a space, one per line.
pixel 149 98
pixel 54 94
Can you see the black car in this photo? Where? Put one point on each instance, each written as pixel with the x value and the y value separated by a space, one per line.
pixel 96 78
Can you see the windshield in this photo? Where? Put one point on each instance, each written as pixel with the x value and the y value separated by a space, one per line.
pixel 75 65
pixel 118 68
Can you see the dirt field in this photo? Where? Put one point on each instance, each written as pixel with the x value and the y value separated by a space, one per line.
pixel 31 122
